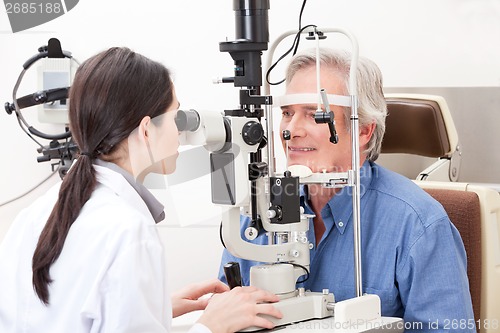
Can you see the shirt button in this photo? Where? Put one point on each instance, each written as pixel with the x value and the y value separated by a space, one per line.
pixel 341 224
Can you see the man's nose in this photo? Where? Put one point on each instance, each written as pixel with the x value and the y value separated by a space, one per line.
pixel 296 126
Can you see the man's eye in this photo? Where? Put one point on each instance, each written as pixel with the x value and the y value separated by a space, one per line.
pixel 286 113
pixel 311 114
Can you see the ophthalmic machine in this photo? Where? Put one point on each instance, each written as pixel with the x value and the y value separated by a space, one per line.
pixel 244 181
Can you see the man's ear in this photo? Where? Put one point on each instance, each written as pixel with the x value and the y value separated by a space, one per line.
pixel 365 133
pixel 144 128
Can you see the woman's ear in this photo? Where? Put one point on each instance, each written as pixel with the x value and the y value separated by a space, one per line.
pixel 144 128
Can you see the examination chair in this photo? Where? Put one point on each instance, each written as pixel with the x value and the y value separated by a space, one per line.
pixel 421 125
pixel 475 211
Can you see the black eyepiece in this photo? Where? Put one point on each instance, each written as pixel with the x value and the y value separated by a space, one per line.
pixel 251 20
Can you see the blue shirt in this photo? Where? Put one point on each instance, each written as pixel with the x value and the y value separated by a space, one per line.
pixel 412 255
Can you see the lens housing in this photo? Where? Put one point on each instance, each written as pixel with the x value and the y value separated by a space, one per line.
pixel 187 120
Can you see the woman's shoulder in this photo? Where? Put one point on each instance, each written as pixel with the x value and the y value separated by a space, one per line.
pixel 114 208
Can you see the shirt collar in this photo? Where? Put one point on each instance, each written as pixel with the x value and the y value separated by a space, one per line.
pixel 154 206
pixel 340 205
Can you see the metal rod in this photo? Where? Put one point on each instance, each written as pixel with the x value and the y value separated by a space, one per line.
pixel 268 110
pixel 354 138
pixel 356 197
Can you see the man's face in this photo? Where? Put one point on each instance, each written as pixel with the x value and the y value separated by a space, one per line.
pixel 310 142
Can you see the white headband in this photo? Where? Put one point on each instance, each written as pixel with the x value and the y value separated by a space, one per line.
pixel 279 101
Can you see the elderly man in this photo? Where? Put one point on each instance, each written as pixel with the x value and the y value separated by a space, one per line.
pixel 413 256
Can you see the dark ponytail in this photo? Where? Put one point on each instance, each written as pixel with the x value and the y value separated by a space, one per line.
pixel 110 95
pixel 72 197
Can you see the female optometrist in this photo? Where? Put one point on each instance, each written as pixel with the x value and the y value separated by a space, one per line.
pixel 86 257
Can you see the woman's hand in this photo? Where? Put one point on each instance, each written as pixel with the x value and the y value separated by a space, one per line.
pixel 188 298
pixel 238 309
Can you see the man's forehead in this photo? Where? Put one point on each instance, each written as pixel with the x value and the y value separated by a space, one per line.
pixel 310 99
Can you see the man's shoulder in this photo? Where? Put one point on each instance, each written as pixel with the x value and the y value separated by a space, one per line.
pixel 393 183
pixel 399 191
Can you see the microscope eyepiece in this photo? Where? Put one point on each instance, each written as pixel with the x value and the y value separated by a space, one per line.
pixel 252 20
pixel 188 120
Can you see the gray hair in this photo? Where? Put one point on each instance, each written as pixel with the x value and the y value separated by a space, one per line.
pixel 371 102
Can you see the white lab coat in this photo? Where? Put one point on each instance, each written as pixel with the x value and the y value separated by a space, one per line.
pixel 110 276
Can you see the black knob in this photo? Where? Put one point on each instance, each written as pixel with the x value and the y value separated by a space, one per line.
pixel 323 117
pixel 233 274
pixel 9 107
pixel 252 133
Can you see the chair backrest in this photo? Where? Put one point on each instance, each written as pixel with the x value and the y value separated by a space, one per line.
pixel 475 211
pixel 422 125
pixel 419 124
pixel 463 208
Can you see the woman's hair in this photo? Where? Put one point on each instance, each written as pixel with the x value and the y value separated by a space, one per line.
pixel 371 102
pixel 110 95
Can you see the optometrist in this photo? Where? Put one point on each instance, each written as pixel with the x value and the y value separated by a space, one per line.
pixel 86 256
